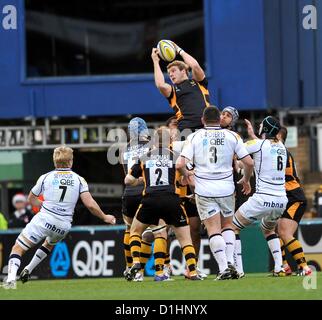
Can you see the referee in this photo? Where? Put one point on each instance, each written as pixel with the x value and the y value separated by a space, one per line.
pixel 187 97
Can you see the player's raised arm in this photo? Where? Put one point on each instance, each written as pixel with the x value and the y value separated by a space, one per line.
pixel 250 130
pixel 94 208
pixel 160 83
pixel 197 72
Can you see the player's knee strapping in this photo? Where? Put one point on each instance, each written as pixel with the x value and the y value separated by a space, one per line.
pixel 267 226
pixel 237 223
pixel 22 243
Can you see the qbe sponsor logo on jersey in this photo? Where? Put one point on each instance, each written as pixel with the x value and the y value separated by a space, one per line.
pixel 165 163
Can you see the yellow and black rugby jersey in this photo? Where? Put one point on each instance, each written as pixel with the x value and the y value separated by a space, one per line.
pixel 292 182
pixel 129 157
pixel 188 100
pixel 158 169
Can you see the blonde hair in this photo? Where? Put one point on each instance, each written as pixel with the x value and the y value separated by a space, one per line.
pixel 180 64
pixel 62 157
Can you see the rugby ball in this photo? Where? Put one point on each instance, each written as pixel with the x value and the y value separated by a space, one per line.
pixel 167 50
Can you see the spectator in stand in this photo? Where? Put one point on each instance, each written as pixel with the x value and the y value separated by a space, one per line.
pixel 22 215
pixel 3 222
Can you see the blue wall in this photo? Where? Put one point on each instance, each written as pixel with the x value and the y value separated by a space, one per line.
pixel 252 62
pixel 293 55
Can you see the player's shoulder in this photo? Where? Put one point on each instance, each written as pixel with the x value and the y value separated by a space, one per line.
pixel 46 175
pixel 197 134
pixel 233 134
pixel 79 177
pixel 254 142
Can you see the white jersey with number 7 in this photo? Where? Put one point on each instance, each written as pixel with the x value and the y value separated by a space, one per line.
pixel 61 189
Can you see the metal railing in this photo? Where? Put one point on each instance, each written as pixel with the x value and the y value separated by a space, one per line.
pixel 75 136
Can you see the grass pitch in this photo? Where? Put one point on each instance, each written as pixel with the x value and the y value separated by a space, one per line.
pixel 253 286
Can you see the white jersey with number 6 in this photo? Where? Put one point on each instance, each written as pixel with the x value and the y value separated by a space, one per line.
pixel 270 163
pixel 212 150
pixel 61 189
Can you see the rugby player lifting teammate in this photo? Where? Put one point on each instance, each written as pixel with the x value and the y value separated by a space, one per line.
pixel 61 189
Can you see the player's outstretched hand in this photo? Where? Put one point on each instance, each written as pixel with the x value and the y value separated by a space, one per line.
pixel 109 219
pixel 177 47
pixel 154 55
pixel 246 186
pixel 250 129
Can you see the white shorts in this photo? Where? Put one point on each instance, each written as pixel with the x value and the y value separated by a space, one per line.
pixel 44 226
pixel 269 208
pixel 208 207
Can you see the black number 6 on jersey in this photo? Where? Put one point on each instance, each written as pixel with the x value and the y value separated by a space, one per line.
pixel 279 163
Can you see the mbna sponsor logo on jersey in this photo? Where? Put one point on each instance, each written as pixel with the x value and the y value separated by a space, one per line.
pixel 273 204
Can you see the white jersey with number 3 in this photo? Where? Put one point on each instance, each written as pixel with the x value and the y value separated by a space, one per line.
pixel 212 150
pixel 61 189
pixel 270 162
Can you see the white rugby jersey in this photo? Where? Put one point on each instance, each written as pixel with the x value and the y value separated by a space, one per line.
pixel 270 162
pixel 130 156
pixel 212 150
pixel 61 189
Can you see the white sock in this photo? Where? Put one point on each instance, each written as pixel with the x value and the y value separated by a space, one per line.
pixel 217 247
pixel 39 256
pixel 274 246
pixel 238 258
pixel 229 237
pixel 13 266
